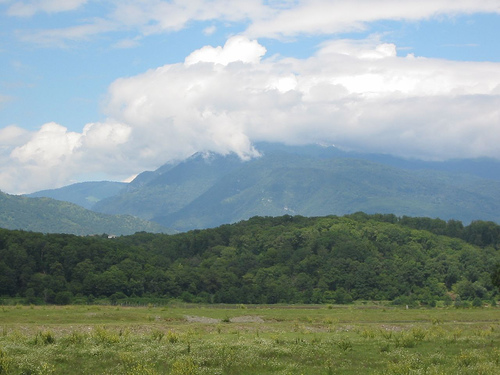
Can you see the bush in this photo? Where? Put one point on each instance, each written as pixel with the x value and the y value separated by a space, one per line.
pixel 4 363
pixel 341 296
pixel 117 296
pixel 477 302
pixel 30 296
pixel 63 298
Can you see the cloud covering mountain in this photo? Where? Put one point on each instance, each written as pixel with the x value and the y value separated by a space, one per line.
pixel 361 94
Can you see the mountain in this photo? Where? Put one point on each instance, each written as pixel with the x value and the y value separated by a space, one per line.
pixel 171 187
pixel 51 216
pixel 85 194
pixel 208 190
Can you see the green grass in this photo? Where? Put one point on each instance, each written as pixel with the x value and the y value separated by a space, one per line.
pixel 249 340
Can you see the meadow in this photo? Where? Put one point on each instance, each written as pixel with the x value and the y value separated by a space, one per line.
pixel 237 339
pixel 248 340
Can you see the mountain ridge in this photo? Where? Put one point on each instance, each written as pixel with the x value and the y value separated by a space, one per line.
pixel 208 189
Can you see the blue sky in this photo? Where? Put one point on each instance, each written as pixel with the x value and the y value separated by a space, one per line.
pixel 106 89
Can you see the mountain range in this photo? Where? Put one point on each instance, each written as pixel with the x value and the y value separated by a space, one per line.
pixel 208 190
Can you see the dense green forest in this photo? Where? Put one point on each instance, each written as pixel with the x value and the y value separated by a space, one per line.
pixel 288 259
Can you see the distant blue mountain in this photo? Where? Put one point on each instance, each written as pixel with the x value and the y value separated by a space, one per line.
pixel 85 194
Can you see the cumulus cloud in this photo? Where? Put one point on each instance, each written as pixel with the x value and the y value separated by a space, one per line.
pixel 49 146
pixel 237 48
pixel 12 135
pixel 356 94
pixel 53 156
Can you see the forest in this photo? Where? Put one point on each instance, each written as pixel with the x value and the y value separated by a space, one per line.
pixel 263 260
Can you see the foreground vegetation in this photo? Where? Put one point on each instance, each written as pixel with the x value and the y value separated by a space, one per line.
pixel 359 339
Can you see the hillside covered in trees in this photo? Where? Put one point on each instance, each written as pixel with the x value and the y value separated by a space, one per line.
pixel 288 259
pixel 48 215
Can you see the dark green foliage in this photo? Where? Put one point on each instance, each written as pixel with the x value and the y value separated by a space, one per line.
pixel 287 259
pixel 63 298
pixel 495 275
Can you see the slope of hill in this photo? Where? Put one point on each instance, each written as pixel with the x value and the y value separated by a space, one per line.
pixel 85 194
pixel 51 216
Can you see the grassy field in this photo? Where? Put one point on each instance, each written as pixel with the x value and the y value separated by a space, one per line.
pixel 248 340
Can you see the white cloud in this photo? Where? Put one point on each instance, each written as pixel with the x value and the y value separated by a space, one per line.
pixel 48 147
pixel 271 19
pixel 145 17
pixel 328 17
pixel 105 135
pixel 237 48
pixel 61 37
pixel 127 43
pixel 351 93
pixel 44 158
pixel 209 30
pixel 29 8
pixel 355 94
pixel 12 135
pixel 52 156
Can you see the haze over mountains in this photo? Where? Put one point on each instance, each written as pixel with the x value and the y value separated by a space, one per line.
pixel 208 190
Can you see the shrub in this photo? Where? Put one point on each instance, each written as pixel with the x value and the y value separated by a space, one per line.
pixel 157 335
pixel 184 366
pixel 4 363
pixel 345 345
pixel 44 338
pixel 63 298
pixel 477 302
pixel 103 336
pixel 172 337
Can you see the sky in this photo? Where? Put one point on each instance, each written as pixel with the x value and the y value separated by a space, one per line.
pixel 106 89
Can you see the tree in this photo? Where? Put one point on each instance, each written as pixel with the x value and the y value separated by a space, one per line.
pixel 495 276
pixel 63 298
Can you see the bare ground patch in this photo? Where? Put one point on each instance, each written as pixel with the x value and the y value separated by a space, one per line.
pixel 237 319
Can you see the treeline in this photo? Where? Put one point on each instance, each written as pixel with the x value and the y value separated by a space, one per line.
pixel 288 259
